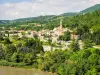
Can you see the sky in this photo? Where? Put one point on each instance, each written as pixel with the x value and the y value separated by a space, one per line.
pixel 14 9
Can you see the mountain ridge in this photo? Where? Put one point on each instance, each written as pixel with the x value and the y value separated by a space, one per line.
pixel 91 9
pixel 49 17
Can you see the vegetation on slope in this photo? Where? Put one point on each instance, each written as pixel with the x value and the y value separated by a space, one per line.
pixel 91 9
pixel 29 52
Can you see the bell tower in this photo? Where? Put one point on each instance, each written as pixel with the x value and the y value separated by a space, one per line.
pixel 61 24
pixel 60 27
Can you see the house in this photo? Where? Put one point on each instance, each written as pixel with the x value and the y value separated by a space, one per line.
pixel 74 36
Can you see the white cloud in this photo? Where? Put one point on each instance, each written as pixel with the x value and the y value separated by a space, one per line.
pixel 42 7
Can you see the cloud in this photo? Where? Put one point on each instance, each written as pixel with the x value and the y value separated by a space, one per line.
pixel 42 7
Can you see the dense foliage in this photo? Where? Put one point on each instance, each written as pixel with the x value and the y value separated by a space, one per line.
pixel 65 36
pixel 23 52
pixel 82 62
pixel 20 50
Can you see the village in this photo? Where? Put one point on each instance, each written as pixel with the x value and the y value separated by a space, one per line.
pixel 49 37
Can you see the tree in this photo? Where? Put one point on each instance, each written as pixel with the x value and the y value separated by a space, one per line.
pixel 50 42
pixel 86 53
pixel 92 72
pixel 74 46
pixel 28 59
pixel 62 69
pixel 67 36
pixel 9 50
pixel 61 37
pixel 1 52
pixel 35 36
pixel 7 41
pixel 87 44
pixel 1 36
pixel 15 57
pixel 93 59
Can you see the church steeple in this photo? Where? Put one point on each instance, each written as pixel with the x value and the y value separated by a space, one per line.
pixel 60 27
pixel 60 24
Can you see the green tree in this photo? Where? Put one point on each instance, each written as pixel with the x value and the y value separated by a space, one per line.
pixel 87 44
pixel 9 50
pixel 28 59
pixel 7 41
pixel 15 57
pixel 74 46
pixel 62 69
pixel 1 52
pixel 67 36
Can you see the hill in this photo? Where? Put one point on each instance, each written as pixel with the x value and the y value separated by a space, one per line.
pixel 69 14
pixel 4 21
pixel 44 19
pixel 47 17
pixel 91 9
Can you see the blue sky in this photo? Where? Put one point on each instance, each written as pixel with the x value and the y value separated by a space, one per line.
pixel 14 9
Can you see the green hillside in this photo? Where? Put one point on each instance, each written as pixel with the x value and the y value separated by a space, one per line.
pixel 4 21
pixel 43 19
pixel 91 9
pixel 69 14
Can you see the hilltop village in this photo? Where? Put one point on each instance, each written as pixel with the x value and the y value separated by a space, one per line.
pixel 48 36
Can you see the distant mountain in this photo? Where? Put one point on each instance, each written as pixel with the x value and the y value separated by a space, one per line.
pixel 69 14
pixel 39 19
pixel 91 9
pixel 42 19
pixel 4 21
pixel 34 18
